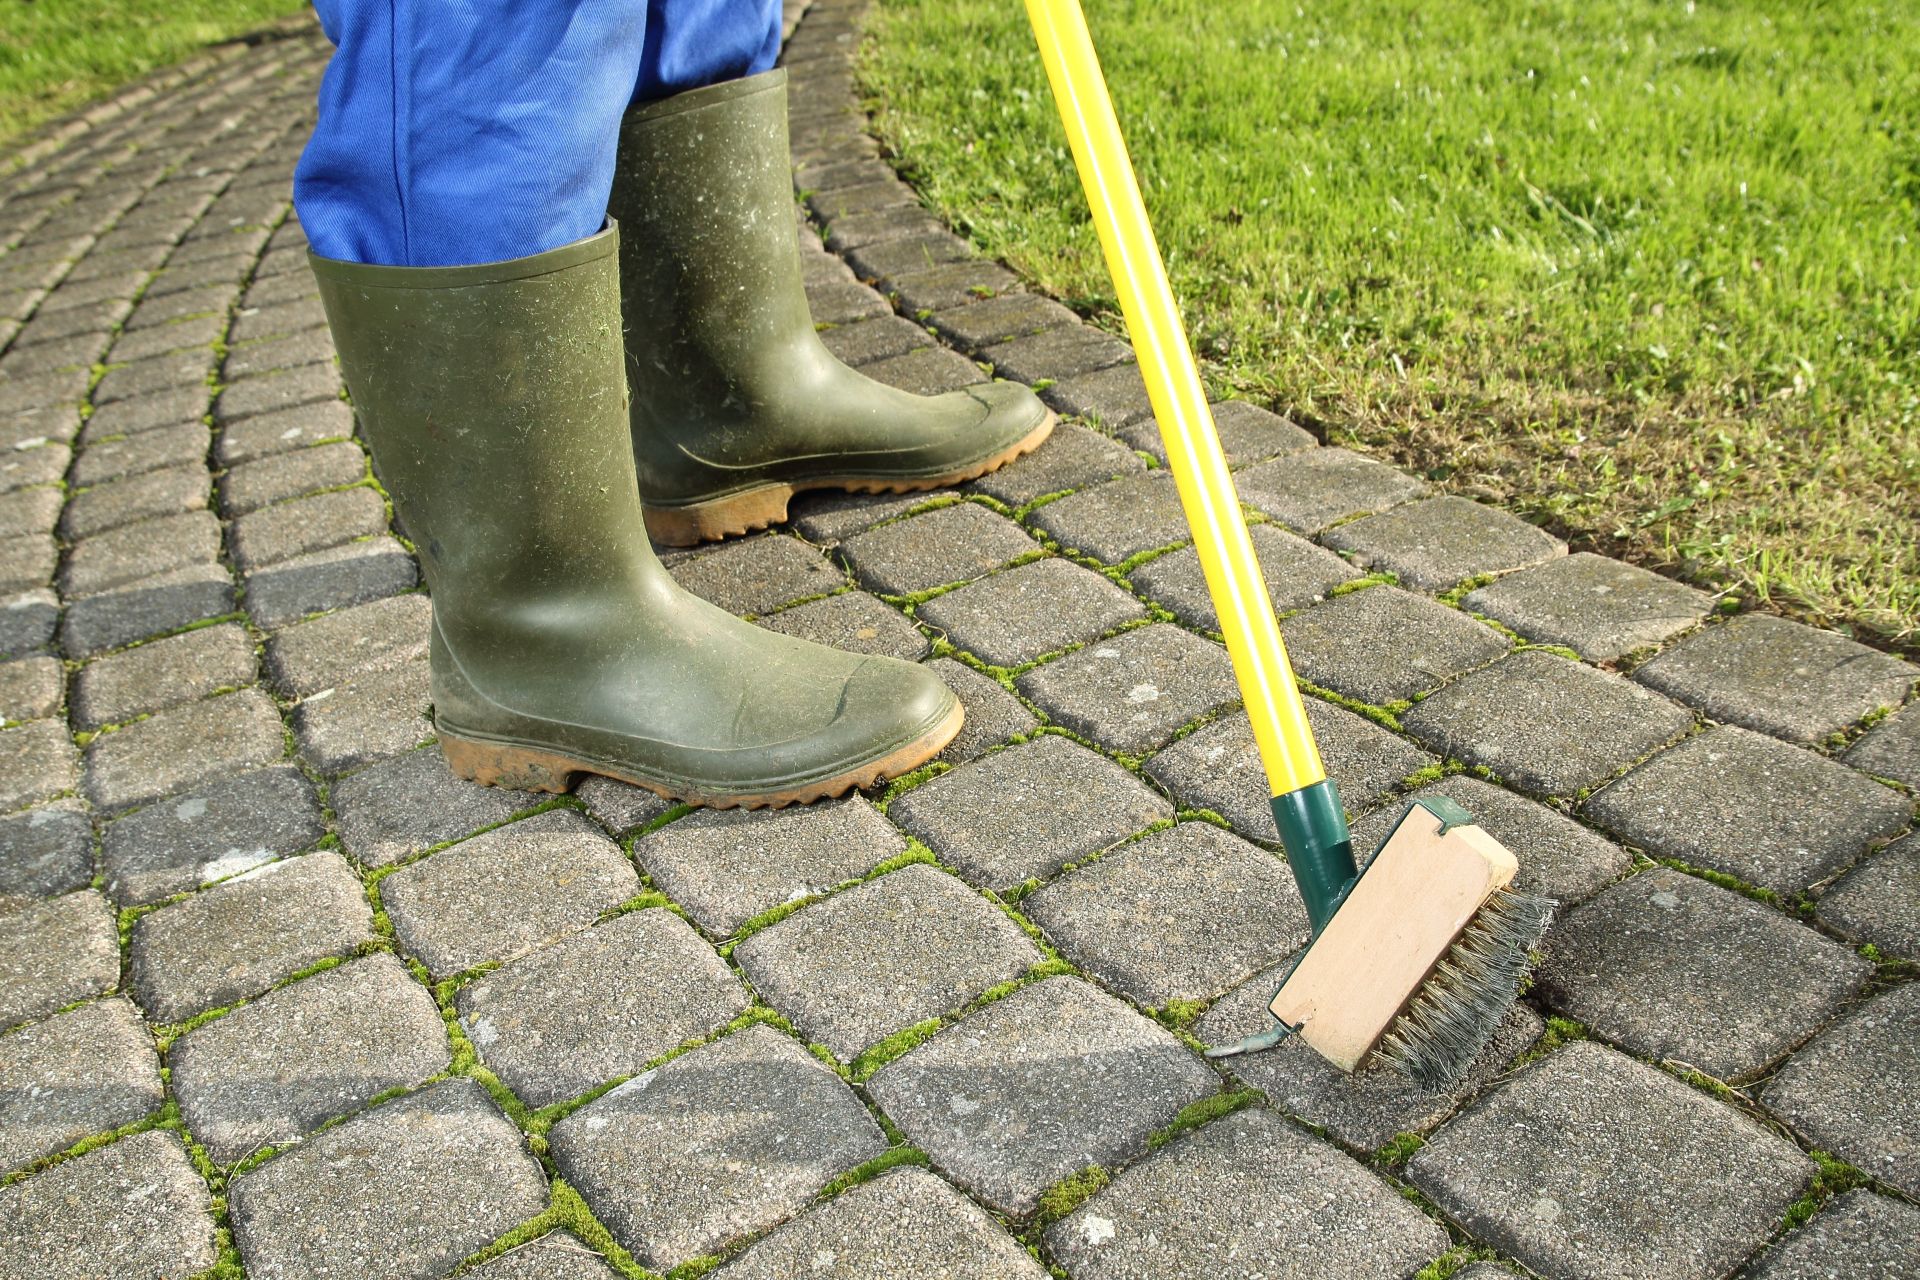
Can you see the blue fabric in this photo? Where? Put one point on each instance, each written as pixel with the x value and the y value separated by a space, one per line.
pixel 460 131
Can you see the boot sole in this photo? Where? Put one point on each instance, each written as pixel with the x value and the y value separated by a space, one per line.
pixel 754 509
pixel 526 768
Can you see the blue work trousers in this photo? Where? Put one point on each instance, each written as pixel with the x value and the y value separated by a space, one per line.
pixel 460 131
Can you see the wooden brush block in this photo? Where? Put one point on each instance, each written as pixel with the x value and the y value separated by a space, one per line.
pixel 1413 900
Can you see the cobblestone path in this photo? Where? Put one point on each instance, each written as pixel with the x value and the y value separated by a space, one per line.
pixel 280 998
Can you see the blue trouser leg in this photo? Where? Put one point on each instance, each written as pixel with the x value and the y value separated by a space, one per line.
pixel 455 133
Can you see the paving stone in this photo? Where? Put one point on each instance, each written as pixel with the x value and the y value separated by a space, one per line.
pixel 269 355
pixel 1115 521
pixel 44 852
pixel 232 825
pixel 1112 397
pixel 27 562
pixel 252 323
pixel 1026 811
pixel 1247 434
pixel 1297 573
pixel 81 1073
pixel 1545 724
pixel 336 578
pixel 137 551
pixel 162 339
pixel 55 952
pixel 27 620
pixel 293 429
pixel 253 486
pixel 714 1146
pixel 911 945
pixel 1742 804
pixel 1559 858
pixel 40 464
pixel 1037 1086
pixel 1643 1178
pixel 165 602
pixel 310 657
pixel 1858 1234
pixel 1315 488
pixel 619 806
pixel 270 393
pixel 930 371
pixel 824 516
pixel 1065 352
pixel 288 529
pixel 853 621
pixel 58 387
pixel 844 301
pixel 866 341
pixel 272 1071
pixel 598 1005
pixel 882 193
pixel 1434 543
pixel 1365 1109
pixel 37 761
pixel 1383 645
pixel 503 893
pixel 180 747
pixel 31 689
pixel 1598 607
pixel 182 445
pixel 156 373
pixel 952 544
pixel 1672 967
pixel 1854 1091
pixel 725 866
pixel 1182 914
pixel 365 718
pixel 30 511
pixel 1019 614
pixel 238 938
pixel 993 714
pixel 558 1255
pixel 349 1201
pixel 172 305
pixel 857 229
pixel 133 1208
pixel 1133 693
pixel 1249 1196
pixel 1891 749
pixel 931 286
pixel 756 575
pixel 169 491
pixel 285 286
pixel 1878 901
pixel 162 674
pixel 1072 457
pixel 975 325
pixel 401 806
pixel 1779 677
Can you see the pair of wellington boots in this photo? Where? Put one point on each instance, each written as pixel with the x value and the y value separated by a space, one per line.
pixel 506 416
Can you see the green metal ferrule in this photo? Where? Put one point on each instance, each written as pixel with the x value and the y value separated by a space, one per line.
pixel 1319 847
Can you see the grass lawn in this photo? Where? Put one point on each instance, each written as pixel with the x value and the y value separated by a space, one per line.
pixel 1647 272
pixel 56 55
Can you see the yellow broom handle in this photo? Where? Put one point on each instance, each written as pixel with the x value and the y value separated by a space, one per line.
pixel 1199 467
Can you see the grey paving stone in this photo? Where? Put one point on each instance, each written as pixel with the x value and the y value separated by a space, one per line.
pixel 977 324
pixel 503 893
pixel 1065 352
pixel 755 575
pixel 238 938
pixel 1365 1109
pixel 30 511
pixel 1672 967
pixel 230 826
pixel 137 551
pixel 1779 677
pixel 952 544
pixel 932 285
pixel 288 529
pixel 252 323
pixel 882 193
pixel 1743 804
pixel 854 621
pixel 1181 914
pixel 1110 397
pixel 270 355
pixel 993 714
pixel 332 579
pixel 44 852
pixel 146 608
pixel 169 491
pixel 40 464
pixel 1315 488
pixel 61 387
pixel 1854 1091
pixel 1858 1234
pixel 714 1146
pixel 412 802
pixel 27 620
pixel 116 458
pixel 182 747
pixel 558 1255
pixel 1297 573
pixel 84 1072
pixel 1891 749
pixel 1247 434
pixel 1073 457
pixel 288 430
pixel 1434 543
pixel 930 371
pixel 1545 724
pixel 618 806
pixel 285 286
pixel 31 689
pixel 1559 858
pixel 310 657
pixel 272 1071
pixel 853 230
pixel 1878 901
pixel 1383 645
pixel 911 945
pixel 55 952
pixel 271 393
pixel 826 516
pixel 365 718
pixel 598 1005
pixel 882 338
pixel 1247 1196
pixel 27 562
pixel 156 373
pixel 844 301
pixel 1133 693
pixel 1024 812
pixel 160 339
pixel 162 674
pixel 1644 1178
pixel 1599 607
pixel 349 1201
pixel 1019 614
pixel 133 1208
pixel 1112 522
pixel 1037 1086
pixel 253 486
pixel 903 1223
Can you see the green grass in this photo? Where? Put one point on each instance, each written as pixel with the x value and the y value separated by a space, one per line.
pixel 56 55
pixel 1649 273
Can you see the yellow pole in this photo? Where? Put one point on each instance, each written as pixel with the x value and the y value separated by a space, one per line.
pixel 1199 467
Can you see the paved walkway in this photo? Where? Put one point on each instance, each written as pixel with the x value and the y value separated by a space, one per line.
pixel 284 999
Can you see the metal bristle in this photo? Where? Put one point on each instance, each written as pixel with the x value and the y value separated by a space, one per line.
pixel 1462 1002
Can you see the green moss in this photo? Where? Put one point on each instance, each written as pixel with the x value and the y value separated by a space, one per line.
pixel 1559 1031
pixel 1830 1178
pixel 1397 1150
pixel 566 1211
pixel 892 1158
pixel 1205 1111
pixel 1068 1194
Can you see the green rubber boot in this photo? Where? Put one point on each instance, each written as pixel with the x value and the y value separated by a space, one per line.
pixel 737 404
pixel 492 398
